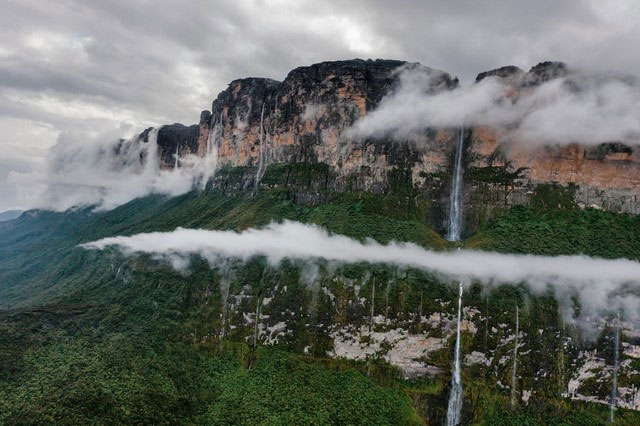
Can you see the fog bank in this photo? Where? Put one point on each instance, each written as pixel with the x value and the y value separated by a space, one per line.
pixel 576 108
pixel 601 285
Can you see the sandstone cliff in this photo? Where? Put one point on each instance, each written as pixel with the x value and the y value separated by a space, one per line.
pixel 256 123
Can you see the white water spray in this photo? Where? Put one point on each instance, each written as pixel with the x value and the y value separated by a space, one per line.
pixel 386 298
pixel 175 166
pixel 225 288
pixel 616 366
pixel 213 146
pixel 373 300
pixel 261 159
pixel 455 216
pixel 256 322
pixel 515 360
pixel 455 397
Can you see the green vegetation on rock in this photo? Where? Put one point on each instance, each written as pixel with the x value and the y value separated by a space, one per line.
pixel 92 337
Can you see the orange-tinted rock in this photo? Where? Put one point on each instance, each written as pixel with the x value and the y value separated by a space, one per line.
pixel 306 117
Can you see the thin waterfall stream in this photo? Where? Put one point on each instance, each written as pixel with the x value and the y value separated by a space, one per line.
pixel 616 366
pixel 261 153
pixel 213 146
pixel 453 234
pixel 373 301
pixel 515 361
pixel 455 397
pixel 455 208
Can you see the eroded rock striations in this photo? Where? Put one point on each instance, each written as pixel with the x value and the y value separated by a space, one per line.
pixel 304 119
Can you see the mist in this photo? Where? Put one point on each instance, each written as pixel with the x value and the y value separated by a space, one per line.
pixel 106 172
pixel 577 108
pixel 601 286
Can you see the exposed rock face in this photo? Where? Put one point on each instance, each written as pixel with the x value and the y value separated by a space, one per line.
pixel 305 118
pixel 545 71
pixel 306 115
pixel 176 138
pixel 509 71
pixel 203 131
pixel 349 320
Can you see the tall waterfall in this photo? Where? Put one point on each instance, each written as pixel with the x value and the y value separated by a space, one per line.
pixel 387 291
pixel 455 214
pixel 261 159
pixel 616 366
pixel 213 146
pixel 373 305
pixel 455 397
pixel 515 360
pixel 256 321
pixel 175 166
pixel 225 288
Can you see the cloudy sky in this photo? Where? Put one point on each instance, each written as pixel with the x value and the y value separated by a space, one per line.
pixel 90 67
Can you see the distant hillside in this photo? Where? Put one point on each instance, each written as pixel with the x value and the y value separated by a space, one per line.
pixel 10 214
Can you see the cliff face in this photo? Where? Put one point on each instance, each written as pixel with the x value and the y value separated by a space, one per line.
pixel 258 122
pixel 606 176
pixel 303 119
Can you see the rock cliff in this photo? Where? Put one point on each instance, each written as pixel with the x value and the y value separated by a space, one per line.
pixel 256 123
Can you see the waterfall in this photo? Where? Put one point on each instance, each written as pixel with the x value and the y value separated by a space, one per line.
pixel 455 208
pixel 515 360
pixel 256 322
pixel 455 397
pixel 258 311
pixel 373 298
pixel 309 277
pixel 313 311
pixel 175 166
pixel 150 155
pixel 261 159
pixel 213 146
pixel 616 366
pixel 562 384
pixel 387 291
pixel 226 288
pixel 386 298
pixel 276 114
pixel 486 324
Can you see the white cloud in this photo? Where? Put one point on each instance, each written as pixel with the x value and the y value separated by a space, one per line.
pixel 578 108
pixel 602 286
pixel 106 172
pixel 165 63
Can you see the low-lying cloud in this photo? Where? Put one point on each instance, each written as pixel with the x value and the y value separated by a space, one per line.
pixel 107 172
pixel 577 108
pixel 601 286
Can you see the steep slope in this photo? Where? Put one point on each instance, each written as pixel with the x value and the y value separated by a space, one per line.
pixel 95 315
pixel 134 340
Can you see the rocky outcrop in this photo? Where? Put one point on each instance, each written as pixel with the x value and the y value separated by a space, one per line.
pixel 510 71
pixel 545 71
pixel 306 117
pixel 387 319
pixel 177 139
pixel 303 119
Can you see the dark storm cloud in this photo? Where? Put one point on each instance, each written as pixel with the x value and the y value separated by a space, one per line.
pixel 90 66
